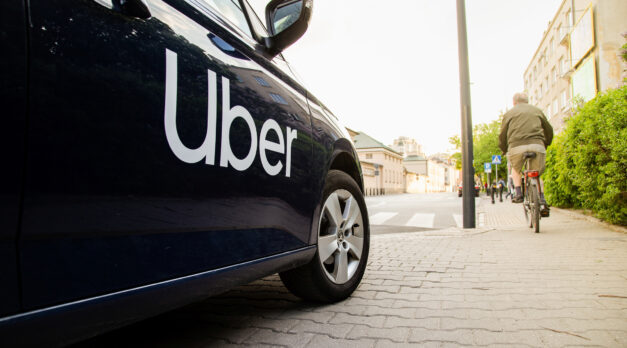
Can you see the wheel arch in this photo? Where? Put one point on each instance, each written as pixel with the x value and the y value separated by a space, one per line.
pixel 343 158
pixel 349 164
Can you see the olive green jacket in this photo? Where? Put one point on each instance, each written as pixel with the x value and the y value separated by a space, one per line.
pixel 522 125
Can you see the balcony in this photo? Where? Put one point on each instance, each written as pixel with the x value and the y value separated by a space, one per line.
pixel 564 36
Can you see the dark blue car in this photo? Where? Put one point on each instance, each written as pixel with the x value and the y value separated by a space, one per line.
pixel 159 152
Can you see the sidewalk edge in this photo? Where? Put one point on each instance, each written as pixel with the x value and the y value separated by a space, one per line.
pixel 577 215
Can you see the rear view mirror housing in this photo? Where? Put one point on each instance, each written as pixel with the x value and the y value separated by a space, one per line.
pixel 287 21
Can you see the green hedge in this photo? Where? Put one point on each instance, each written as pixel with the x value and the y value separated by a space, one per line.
pixel 587 162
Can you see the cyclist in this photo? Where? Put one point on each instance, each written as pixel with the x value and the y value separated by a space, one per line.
pixel 525 129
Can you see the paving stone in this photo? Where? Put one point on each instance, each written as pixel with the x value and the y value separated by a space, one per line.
pixel 332 330
pixel 236 336
pixel 369 320
pixel 317 317
pixel 406 297
pixel 281 325
pixel 390 344
pixel 420 335
pixel 528 337
pixel 263 336
pixel 392 334
pixel 225 344
pixel 427 323
pixel 396 312
pixel 321 341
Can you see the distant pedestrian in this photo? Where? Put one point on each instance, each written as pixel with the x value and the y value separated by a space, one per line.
pixel 510 187
pixel 501 186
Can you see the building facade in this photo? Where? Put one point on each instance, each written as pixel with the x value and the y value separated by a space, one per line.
pixel 407 146
pixel 387 163
pixel 373 181
pixel 578 56
pixel 385 171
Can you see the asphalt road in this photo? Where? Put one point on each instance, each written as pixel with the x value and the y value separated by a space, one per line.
pixel 414 212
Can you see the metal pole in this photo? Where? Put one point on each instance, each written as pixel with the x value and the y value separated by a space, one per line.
pixel 468 184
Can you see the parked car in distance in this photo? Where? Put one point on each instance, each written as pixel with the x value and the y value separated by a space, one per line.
pixel 162 152
pixel 460 189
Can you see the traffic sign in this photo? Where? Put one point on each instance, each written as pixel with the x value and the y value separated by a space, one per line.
pixel 487 167
pixel 496 159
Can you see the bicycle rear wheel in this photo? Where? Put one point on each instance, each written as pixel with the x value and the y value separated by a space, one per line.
pixel 534 204
pixel 526 204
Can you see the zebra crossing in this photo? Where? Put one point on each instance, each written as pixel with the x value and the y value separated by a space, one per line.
pixel 414 211
pixel 423 220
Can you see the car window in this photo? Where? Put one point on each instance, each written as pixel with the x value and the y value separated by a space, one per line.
pixel 233 12
pixel 254 18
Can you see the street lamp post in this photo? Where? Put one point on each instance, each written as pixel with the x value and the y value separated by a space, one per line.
pixel 468 184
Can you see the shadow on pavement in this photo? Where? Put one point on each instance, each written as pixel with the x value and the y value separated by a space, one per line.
pixel 222 320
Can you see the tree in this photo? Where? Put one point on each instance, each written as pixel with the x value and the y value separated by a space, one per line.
pixel 486 143
pixel 457 156
pixel 485 138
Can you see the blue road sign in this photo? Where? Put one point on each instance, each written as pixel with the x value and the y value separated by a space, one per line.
pixel 496 159
pixel 487 167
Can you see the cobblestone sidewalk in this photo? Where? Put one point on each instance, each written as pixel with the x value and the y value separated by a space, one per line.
pixel 498 285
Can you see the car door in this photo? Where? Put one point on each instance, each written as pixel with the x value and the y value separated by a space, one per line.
pixel 161 144
pixel 13 100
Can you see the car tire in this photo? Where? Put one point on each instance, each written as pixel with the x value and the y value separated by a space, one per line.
pixel 343 240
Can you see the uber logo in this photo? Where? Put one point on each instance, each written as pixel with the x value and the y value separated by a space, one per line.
pixel 208 148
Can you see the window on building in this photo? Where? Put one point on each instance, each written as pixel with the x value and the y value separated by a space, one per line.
pixel 368 156
pixel 278 99
pixel 552 47
pixel 554 74
pixel 565 65
pixel 564 98
pixel 546 85
pixel 261 81
pixel 551 79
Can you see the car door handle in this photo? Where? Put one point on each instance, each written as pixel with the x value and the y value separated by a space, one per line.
pixel 132 8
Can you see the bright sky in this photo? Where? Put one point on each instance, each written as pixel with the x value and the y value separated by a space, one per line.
pixel 390 68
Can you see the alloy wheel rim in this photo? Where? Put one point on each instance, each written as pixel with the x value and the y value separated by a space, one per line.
pixel 340 236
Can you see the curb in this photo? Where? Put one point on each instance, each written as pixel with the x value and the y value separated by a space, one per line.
pixel 581 216
pixel 439 233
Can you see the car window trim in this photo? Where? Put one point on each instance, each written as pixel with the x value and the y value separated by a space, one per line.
pixel 205 8
pixel 250 12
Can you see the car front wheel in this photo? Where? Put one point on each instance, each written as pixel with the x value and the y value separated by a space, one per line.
pixel 343 245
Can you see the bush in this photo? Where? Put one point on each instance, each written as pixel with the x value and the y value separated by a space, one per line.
pixel 587 162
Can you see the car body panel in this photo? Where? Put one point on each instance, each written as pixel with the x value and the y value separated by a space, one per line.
pixel 13 70
pixel 69 322
pixel 121 206
pixel 108 205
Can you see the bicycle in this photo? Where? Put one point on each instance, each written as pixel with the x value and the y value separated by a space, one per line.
pixel 531 193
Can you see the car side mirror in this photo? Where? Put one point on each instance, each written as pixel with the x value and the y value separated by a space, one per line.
pixel 287 21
